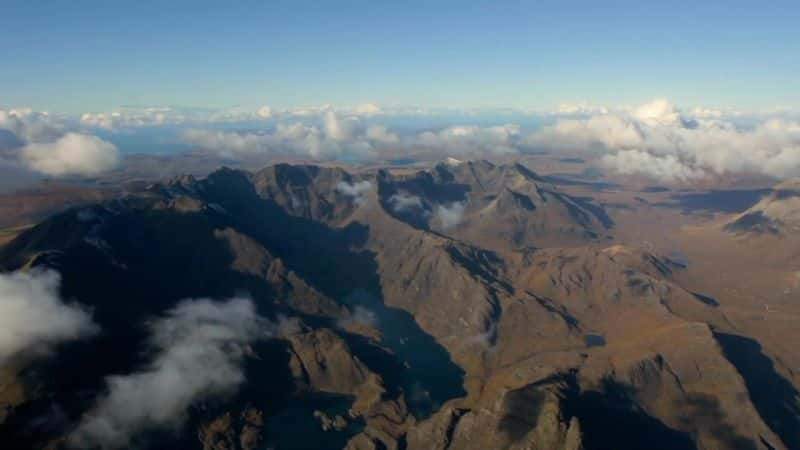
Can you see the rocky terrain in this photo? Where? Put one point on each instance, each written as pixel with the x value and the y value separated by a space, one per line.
pixel 469 305
pixel 777 213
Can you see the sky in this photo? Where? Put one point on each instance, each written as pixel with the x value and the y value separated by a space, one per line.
pixel 86 56
pixel 680 92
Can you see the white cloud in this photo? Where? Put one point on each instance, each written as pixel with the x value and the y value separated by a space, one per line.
pixel 656 140
pixel 39 142
pixel 199 347
pixel 361 316
pixel 71 154
pixel 357 191
pixel 334 137
pixel 404 202
pixel 666 167
pixel 32 316
pixel 658 112
pixel 265 112
pixel 579 109
pixel 132 117
pixel 450 216
pixel 28 125
pixel 465 140
pixel 367 109
pixel 380 135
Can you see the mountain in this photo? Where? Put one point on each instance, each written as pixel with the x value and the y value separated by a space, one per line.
pixel 778 213
pixel 471 305
pixel 500 207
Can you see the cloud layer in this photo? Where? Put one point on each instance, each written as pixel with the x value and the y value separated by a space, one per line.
pixel 33 318
pixel 657 140
pixel 198 350
pixel 332 135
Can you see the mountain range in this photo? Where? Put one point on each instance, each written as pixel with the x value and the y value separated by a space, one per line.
pixel 468 305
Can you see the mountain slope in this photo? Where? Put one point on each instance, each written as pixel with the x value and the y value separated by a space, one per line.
pixel 392 331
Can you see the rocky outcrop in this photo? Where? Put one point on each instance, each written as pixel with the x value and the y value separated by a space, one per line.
pixel 776 214
pixel 228 432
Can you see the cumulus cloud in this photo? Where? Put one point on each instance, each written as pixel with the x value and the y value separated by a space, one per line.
pixel 403 202
pixel 71 154
pixel 367 109
pixel 332 136
pixel 327 134
pixel 39 142
pixel 357 191
pixel 265 112
pixel 32 316
pixel 450 215
pixel 199 347
pixel 29 125
pixel 657 140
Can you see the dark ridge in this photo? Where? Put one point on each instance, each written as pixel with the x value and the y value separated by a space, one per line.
pixel 753 222
pixel 563 181
pixel 522 408
pixel 655 189
pixel 596 210
pixel 710 301
pixel 594 340
pixel 572 160
pixel 775 398
pixel 611 419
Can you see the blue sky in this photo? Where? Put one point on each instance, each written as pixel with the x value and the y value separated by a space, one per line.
pixel 96 55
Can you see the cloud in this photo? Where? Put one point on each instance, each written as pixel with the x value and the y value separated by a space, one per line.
pixel 148 116
pixel 71 154
pixel 657 140
pixel 32 316
pixel 357 191
pixel 450 216
pixel 367 109
pixel 265 112
pixel 328 134
pixel 38 141
pixel 199 347
pixel 658 112
pixel 332 137
pixel 361 316
pixel 404 202
pixel 28 125
pixel 667 167
pixel 568 109
pixel 475 140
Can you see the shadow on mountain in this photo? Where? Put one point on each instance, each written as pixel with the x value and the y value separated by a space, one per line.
pixel 522 408
pixel 705 413
pixel 151 258
pixel 610 419
pixel 594 185
pixel 727 201
pixel 775 398
pixel 427 375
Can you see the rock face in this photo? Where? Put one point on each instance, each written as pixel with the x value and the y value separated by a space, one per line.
pixel 495 207
pixel 229 433
pixel 778 213
pixel 467 306
pixel 530 417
